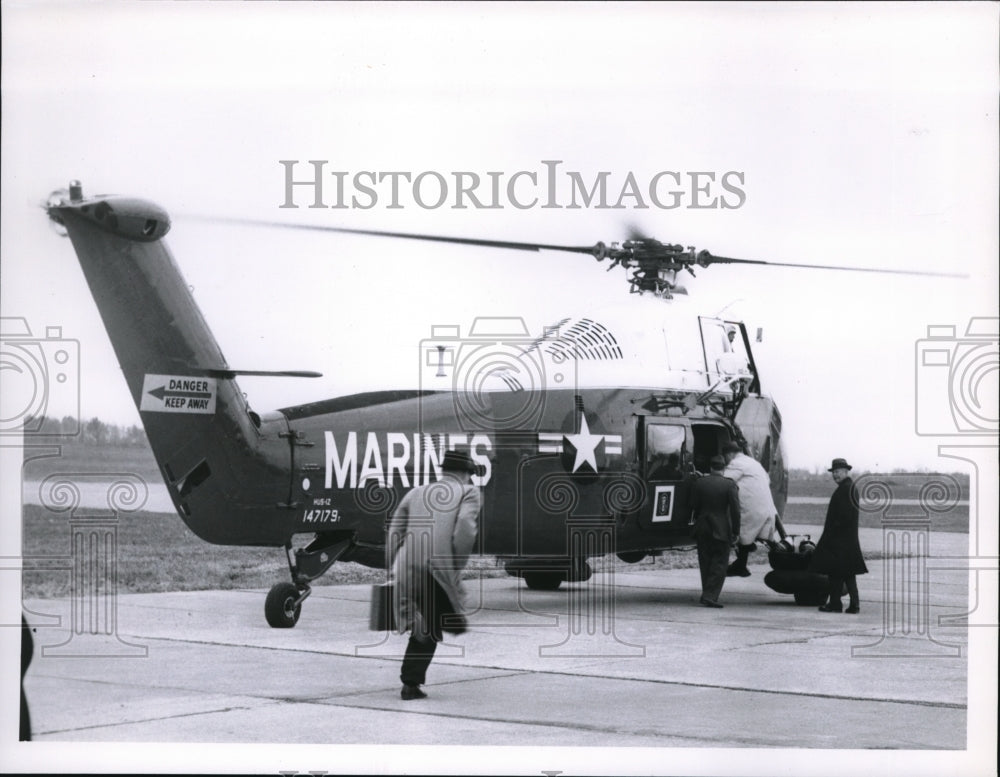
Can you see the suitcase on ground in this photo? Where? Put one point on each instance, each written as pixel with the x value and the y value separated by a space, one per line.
pixel 381 616
pixel 808 588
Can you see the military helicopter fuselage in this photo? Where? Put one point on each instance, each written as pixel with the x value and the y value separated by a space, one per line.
pixel 586 435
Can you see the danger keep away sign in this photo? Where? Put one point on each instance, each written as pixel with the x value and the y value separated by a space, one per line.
pixel 178 394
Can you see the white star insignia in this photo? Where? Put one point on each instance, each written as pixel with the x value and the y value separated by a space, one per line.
pixel 584 443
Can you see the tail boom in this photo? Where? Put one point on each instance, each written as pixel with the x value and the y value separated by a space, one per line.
pixel 227 471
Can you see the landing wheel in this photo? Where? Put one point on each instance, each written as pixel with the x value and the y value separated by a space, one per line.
pixel 543 581
pixel 280 607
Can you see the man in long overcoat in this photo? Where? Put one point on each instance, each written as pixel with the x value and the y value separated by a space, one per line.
pixel 715 511
pixel 431 535
pixel 838 552
pixel 757 510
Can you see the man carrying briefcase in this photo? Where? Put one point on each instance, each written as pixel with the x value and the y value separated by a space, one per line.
pixel 431 535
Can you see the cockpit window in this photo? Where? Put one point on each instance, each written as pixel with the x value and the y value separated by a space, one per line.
pixel 723 356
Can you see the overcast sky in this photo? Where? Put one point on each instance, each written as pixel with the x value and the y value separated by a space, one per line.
pixel 863 135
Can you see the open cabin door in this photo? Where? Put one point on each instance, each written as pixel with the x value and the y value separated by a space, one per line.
pixel 672 453
pixel 726 349
pixel 665 454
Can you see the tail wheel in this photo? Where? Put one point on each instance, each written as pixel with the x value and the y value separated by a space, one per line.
pixel 281 608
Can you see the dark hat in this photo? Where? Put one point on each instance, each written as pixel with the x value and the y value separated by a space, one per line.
pixel 458 461
pixel 732 447
pixel 717 462
pixel 839 464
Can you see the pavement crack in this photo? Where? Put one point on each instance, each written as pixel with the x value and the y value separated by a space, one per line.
pixel 745 689
pixel 513 671
pixel 119 723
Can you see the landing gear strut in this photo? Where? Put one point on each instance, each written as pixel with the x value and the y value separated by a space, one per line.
pixel 283 605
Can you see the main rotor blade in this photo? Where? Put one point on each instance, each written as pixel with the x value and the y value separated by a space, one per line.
pixel 705 259
pixel 470 241
pixel 599 250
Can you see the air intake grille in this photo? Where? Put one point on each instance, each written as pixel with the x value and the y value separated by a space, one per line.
pixel 585 339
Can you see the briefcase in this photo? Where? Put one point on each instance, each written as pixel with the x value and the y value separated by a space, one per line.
pixel 381 616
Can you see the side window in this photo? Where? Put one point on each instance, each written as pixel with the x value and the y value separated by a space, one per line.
pixel 722 355
pixel 666 451
pixel 716 344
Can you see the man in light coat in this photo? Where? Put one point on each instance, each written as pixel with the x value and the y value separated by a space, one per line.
pixel 757 510
pixel 431 535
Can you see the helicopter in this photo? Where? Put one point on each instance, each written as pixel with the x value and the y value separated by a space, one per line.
pixel 586 436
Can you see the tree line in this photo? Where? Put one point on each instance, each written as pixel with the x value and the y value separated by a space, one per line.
pixel 820 474
pixel 90 432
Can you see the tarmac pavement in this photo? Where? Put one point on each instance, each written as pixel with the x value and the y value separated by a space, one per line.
pixel 626 660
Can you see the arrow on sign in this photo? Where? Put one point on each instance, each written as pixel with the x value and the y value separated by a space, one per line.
pixel 178 394
pixel 162 392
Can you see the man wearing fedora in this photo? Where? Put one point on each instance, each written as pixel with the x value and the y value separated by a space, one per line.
pixel 715 514
pixel 838 552
pixel 431 535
